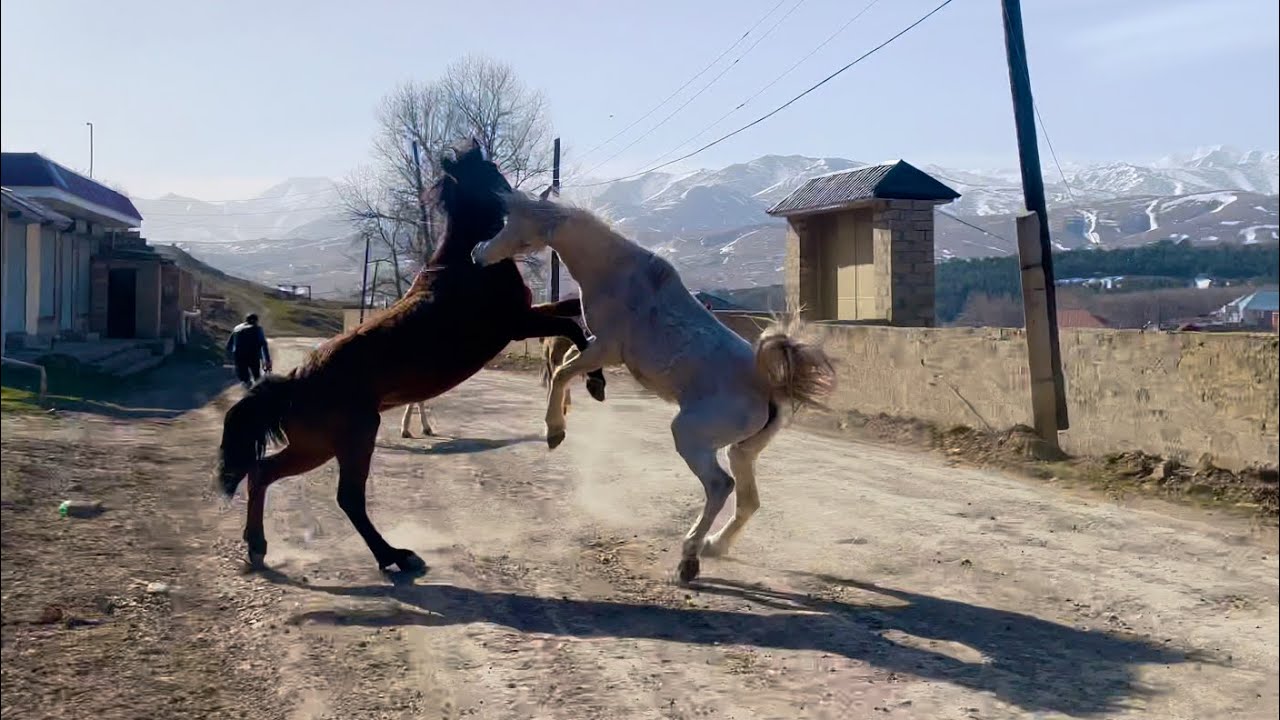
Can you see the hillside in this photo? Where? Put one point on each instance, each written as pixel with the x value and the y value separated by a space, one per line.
pixel 279 315
pixel 712 223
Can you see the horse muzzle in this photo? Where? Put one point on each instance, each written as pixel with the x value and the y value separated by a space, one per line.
pixel 480 254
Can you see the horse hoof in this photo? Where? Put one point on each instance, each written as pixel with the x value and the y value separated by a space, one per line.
pixel 429 432
pixel 257 561
pixel 554 440
pixel 689 569
pixel 411 563
pixel 595 387
pixel 406 434
pixel 408 563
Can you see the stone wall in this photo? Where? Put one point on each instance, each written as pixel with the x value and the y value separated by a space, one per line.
pixel 1181 395
pixel 904 254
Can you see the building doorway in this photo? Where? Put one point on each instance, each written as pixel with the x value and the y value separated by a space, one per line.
pixel 122 303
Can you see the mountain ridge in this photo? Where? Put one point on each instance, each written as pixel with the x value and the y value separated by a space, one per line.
pixel 712 224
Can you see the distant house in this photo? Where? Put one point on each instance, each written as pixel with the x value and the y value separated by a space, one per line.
pixel 74 265
pixel 1203 282
pixel 1256 310
pixel 1080 318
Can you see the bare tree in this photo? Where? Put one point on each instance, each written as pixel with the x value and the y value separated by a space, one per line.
pixel 381 217
pixel 476 97
pixel 507 118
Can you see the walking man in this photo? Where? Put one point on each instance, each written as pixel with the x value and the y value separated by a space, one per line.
pixel 247 350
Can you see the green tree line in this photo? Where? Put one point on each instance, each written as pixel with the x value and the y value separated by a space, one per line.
pixel 998 276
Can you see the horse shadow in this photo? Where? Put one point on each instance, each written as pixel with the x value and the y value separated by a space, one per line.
pixel 460 446
pixel 1038 665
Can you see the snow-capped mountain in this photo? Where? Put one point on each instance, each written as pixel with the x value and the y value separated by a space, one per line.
pixel 276 213
pixel 713 225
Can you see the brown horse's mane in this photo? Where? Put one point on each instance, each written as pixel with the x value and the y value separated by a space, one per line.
pixel 455 248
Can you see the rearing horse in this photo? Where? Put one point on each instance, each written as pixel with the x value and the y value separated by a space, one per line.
pixel 455 318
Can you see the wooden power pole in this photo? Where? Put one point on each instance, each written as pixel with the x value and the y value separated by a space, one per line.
pixel 555 189
pixel 364 276
pixel 424 226
pixel 1035 252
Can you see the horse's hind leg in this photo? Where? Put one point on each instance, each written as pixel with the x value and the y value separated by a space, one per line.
pixel 295 459
pixel 742 463
pixel 354 455
pixel 699 451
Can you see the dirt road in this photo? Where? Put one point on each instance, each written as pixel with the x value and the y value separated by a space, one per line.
pixel 872 583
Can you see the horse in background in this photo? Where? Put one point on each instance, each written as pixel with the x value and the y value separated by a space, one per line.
pixel 555 351
pixel 456 318
pixel 729 392
pixel 421 407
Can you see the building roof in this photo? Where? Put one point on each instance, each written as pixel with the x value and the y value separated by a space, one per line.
pixel 33 170
pixel 1260 301
pixel 895 181
pixel 1079 318
pixel 29 209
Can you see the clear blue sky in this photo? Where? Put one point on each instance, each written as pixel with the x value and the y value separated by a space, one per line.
pixel 221 99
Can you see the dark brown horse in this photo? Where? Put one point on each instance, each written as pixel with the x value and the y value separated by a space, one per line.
pixel 455 318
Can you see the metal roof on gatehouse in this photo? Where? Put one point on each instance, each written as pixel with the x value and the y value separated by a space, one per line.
pixel 895 181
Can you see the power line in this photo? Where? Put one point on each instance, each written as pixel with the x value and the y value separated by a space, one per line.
pixel 771 83
pixel 688 82
pixel 781 107
pixel 701 90
pixel 968 224
pixel 1054 154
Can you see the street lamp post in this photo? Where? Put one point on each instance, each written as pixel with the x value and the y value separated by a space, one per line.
pixel 90 149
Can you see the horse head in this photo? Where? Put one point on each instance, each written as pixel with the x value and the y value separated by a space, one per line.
pixel 469 193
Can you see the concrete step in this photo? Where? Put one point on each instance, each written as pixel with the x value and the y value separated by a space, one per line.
pixel 141 365
pixel 120 361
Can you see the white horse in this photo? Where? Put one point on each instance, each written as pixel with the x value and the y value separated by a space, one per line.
pixel 729 393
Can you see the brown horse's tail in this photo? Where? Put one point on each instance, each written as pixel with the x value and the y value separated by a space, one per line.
pixel 254 422
pixel 797 372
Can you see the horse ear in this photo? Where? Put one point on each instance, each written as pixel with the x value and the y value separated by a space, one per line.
pixel 448 161
pixel 546 193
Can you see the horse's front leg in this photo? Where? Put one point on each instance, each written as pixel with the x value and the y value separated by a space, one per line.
pixel 542 322
pixel 568 308
pixel 596 356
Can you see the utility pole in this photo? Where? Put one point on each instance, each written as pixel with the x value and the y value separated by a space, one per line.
pixel 364 276
pixel 424 230
pixel 90 149
pixel 1039 300
pixel 555 188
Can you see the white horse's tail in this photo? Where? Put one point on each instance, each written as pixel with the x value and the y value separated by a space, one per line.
pixel 796 371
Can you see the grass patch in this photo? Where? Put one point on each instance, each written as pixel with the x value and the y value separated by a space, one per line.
pixel 17 401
